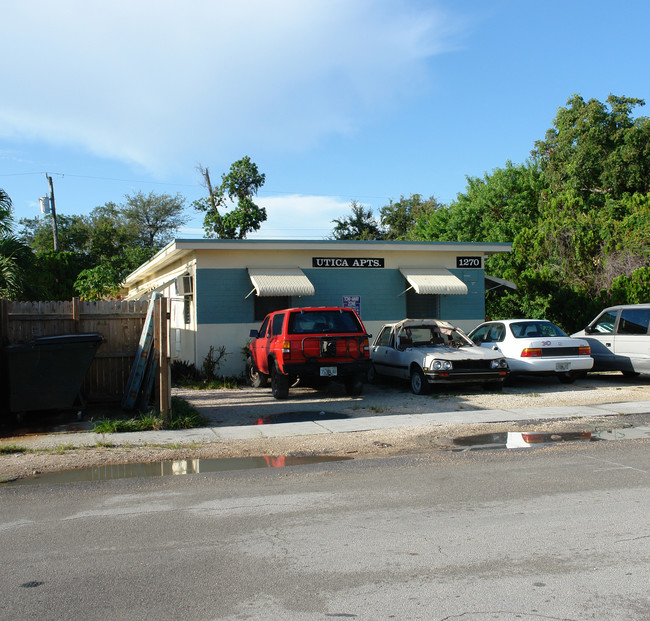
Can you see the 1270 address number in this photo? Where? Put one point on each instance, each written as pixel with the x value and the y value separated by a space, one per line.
pixel 468 261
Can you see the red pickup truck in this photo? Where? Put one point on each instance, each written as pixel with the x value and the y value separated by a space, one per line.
pixel 314 344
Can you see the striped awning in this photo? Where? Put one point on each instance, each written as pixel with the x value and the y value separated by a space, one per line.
pixel 280 281
pixel 492 282
pixel 437 281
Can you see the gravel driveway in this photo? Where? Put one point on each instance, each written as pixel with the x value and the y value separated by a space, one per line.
pixel 247 406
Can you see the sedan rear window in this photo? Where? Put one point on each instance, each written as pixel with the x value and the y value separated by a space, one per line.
pixel 323 321
pixel 534 329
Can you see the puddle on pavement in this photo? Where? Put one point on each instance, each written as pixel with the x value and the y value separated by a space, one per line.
pixel 530 439
pixel 173 468
pixel 299 417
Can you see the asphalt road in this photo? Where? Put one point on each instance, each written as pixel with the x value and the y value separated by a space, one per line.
pixel 556 533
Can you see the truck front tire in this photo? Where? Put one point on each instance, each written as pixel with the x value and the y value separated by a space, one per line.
pixel 279 383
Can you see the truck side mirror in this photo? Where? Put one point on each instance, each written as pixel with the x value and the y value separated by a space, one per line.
pixel 253 334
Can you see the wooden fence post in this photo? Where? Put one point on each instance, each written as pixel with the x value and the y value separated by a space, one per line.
pixel 76 316
pixel 161 331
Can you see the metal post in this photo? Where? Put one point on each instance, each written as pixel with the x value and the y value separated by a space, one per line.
pixel 55 230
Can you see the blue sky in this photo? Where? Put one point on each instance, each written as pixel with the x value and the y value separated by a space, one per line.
pixel 334 100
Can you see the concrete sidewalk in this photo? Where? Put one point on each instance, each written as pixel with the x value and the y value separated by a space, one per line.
pixel 316 427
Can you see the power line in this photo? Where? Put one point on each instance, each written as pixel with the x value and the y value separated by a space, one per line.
pixel 197 185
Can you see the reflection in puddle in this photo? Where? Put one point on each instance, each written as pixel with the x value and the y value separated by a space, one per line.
pixel 528 439
pixel 171 468
pixel 516 439
pixel 299 417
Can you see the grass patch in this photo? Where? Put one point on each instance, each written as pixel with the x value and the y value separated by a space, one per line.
pixel 222 383
pixel 8 449
pixel 183 416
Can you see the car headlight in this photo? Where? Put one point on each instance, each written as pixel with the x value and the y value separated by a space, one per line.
pixel 441 365
pixel 499 363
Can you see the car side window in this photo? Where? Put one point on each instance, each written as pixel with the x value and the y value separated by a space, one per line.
pixel 496 334
pixel 276 326
pixel 383 340
pixel 261 333
pixel 481 334
pixel 605 323
pixel 634 321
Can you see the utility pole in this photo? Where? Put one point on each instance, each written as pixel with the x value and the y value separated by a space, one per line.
pixel 55 230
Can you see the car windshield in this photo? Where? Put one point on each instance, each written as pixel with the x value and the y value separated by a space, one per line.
pixel 431 336
pixel 323 321
pixel 534 329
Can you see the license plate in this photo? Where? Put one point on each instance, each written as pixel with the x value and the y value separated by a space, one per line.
pixel 562 366
pixel 327 371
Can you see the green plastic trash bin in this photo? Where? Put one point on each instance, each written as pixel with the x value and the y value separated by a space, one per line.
pixel 47 373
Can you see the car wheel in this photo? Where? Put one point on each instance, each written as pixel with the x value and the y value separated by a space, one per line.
pixel 254 377
pixel 372 374
pixel 279 383
pixel 354 384
pixel 567 378
pixel 419 383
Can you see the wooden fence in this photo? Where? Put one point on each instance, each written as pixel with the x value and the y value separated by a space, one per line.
pixel 119 322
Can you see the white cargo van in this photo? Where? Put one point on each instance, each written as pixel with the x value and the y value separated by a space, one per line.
pixel 620 339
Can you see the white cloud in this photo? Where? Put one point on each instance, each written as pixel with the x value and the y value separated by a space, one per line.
pixel 290 217
pixel 158 83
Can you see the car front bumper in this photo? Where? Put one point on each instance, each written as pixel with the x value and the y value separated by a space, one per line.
pixel 456 377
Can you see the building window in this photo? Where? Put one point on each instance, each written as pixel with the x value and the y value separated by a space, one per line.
pixel 267 304
pixel 420 306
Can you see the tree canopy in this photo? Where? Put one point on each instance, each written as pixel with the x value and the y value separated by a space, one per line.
pixel 97 251
pixel 577 214
pixel 14 254
pixel 361 224
pixel 237 187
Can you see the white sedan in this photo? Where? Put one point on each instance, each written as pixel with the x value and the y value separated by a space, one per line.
pixel 535 347
pixel 430 351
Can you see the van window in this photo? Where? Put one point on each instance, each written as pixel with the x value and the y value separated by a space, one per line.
pixel 605 323
pixel 634 321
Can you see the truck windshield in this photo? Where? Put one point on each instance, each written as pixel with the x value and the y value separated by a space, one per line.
pixel 323 321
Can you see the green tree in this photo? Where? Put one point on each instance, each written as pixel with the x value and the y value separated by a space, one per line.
pixel 15 256
pixel 74 233
pixel 104 279
pixel 6 218
pixel 361 224
pixel 494 208
pixel 98 250
pixel 596 149
pixel 153 219
pixel 399 219
pixel 238 187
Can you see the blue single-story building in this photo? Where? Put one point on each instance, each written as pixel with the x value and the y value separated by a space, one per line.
pixel 220 289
